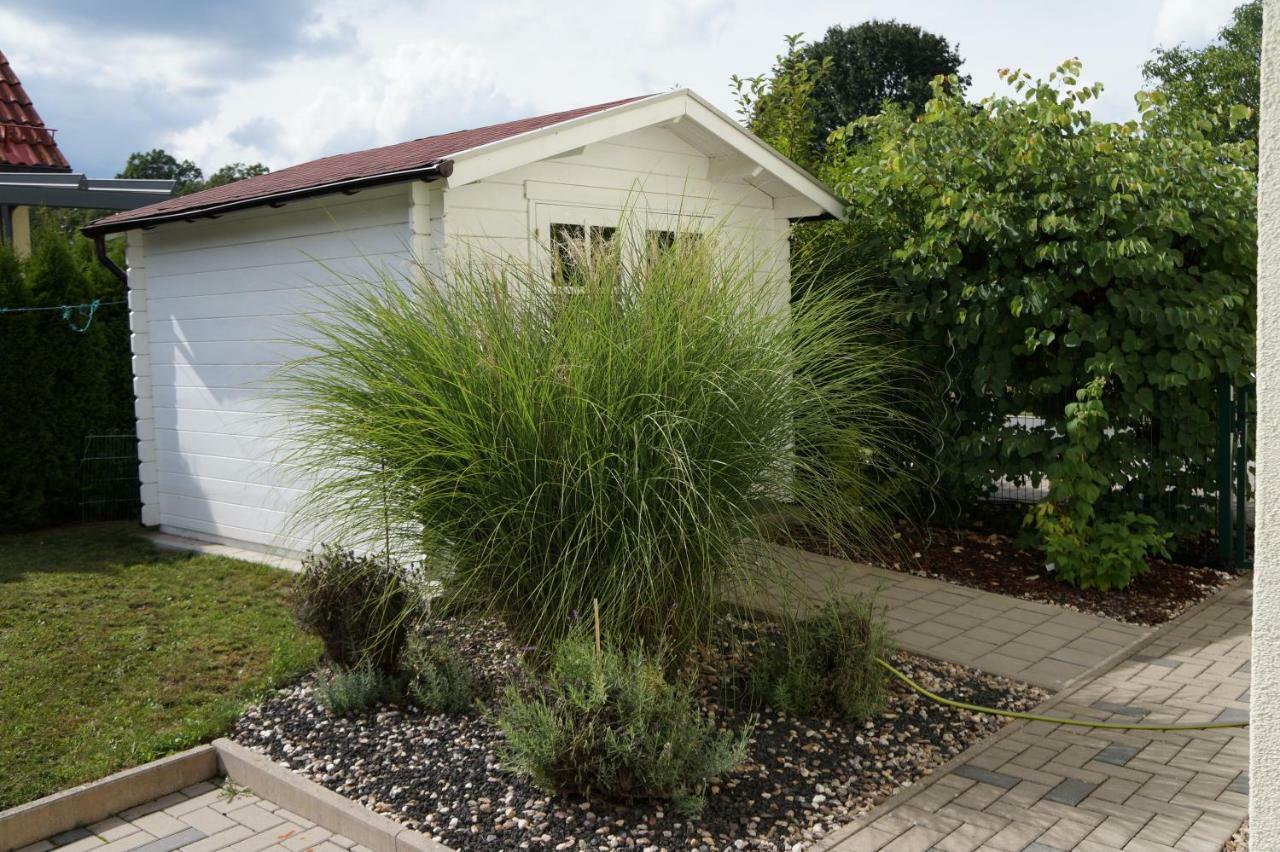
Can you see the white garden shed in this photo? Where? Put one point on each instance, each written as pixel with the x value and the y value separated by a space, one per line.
pixel 219 279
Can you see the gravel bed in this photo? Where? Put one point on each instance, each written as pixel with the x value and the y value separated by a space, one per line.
pixel 804 777
pixel 1239 841
pixel 995 563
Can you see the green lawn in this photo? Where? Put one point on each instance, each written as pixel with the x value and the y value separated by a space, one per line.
pixel 113 653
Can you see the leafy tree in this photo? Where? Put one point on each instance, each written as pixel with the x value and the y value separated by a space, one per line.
pixel 851 72
pixel 1203 85
pixel 158 164
pixel 1033 251
pixel 878 61
pixel 779 106
pixel 233 172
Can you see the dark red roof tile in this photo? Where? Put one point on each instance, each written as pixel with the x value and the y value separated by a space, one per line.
pixel 24 140
pixel 317 174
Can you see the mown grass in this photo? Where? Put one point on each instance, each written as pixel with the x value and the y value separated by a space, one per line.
pixel 113 653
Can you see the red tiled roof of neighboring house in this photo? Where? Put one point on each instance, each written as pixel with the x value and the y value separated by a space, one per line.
pixel 341 170
pixel 25 143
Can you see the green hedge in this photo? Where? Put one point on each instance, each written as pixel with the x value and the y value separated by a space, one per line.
pixel 57 385
pixel 1035 251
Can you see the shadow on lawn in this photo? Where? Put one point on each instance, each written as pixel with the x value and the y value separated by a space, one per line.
pixel 97 549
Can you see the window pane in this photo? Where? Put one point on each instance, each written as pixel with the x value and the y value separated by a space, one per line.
pixel 570 247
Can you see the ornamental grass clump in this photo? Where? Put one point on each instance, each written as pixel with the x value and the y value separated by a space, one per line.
pixel 609 723
pixel 622 428
pixel 827 665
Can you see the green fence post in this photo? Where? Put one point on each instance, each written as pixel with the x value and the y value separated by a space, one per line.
pixel 1242 472
pixel 1224 469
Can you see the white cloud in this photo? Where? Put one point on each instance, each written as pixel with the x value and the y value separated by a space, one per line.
pixel 50 50
pixel 352 74
pixel 399 75
pixel 1195 22
pixel 373 94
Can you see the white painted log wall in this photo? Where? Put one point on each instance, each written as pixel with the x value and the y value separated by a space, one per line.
pixel 222 297
pixel 652 172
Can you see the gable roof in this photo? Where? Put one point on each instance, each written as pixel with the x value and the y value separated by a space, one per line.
pixel 484 151
pixel 25 143
pixel 390 163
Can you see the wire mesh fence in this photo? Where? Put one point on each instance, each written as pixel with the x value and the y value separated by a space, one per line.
pixel 109 478
pixel 1163 467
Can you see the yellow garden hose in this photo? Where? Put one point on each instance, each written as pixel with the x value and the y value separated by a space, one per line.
pixel 1014 714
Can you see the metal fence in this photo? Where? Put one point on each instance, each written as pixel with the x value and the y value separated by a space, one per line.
pixel 1186 491
pixel 109 478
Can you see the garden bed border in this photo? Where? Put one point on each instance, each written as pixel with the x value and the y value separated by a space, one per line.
pixel 88 803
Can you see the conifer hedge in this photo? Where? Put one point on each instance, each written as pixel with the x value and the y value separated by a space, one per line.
pixel 58 384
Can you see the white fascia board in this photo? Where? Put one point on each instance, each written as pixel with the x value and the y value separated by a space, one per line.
pixel 506 154
pixel 749 145
pixel 496 157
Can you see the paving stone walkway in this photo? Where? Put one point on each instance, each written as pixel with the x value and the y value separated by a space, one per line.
pixel 1039 787
pixel 202 818
pixel 1038 643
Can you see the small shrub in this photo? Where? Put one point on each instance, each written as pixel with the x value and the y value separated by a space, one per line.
pixel 826 665
pixel 359 606
pixel 438 679
pixel 1105 555
pixel 352 690
pixel 611 724
pixel 1086 548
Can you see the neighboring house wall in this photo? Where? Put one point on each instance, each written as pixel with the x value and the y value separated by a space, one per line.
pixel 215 300
pixel 223 297
pixel 1264 769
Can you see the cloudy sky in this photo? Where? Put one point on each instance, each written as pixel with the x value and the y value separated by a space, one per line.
pixel 283 81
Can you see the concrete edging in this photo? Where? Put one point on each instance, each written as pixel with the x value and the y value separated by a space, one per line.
pixel 89 803
pixel 321 805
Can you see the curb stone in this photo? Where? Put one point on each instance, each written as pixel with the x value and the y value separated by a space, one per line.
pixel 319 804
pixel 96 800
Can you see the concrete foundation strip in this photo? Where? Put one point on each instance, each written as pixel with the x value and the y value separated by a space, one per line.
pixel 97 800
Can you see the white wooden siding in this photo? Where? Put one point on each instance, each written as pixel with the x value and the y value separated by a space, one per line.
pixel 652 173
pixel 224 297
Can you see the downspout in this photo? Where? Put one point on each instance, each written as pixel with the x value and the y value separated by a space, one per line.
pixel 100 249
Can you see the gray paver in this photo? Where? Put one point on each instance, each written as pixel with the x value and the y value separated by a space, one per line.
pixel 1102 791
pixel 173 841
pixel 68 837
pixel 1121 709
pixel 986 776
pixel 1072 792
pixel 1117 755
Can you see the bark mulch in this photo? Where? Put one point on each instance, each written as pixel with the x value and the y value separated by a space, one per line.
pixel 996 563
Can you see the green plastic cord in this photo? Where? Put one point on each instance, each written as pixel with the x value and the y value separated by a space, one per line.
pixel 1014 714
